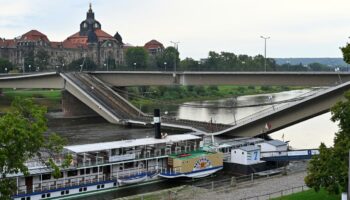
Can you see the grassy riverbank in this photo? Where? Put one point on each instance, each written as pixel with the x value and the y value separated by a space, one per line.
pixel 49 98
pixel 148 96
pixel 310 195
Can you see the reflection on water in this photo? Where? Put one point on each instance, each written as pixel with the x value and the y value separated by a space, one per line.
pixel 307 134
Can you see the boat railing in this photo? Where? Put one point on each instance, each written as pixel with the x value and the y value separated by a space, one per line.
pixel 63 183
pixel 136 156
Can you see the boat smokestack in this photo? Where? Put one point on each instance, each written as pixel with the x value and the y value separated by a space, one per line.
pixel 156 120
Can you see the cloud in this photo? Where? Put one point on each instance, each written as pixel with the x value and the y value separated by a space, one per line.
pixel 313 28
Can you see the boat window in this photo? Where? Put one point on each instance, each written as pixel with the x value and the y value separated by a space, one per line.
pixel 85 188
pixel 62 192
pixel 80 189
pixel 28 198
pixel 242 153
pixel 72 173
pixel 46 177
pixel 48 195
pixel 98 186
pixel 43 196
pixel 128 165
pixel 67 191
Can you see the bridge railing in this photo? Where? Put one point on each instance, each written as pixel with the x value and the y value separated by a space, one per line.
pixel 273 108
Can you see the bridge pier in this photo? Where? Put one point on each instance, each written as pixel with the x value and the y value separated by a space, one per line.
pixel 72 106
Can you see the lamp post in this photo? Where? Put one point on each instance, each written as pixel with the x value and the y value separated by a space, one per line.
pixel 165 66
pixel 265 38
pixel 176 46
pixel 105 65
pixel 6 70
pixel 135 66
pixel 30 66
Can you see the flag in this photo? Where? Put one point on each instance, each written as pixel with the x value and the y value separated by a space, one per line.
pixel 268 126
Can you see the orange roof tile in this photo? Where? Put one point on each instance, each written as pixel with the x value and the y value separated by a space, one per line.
pixel 34 35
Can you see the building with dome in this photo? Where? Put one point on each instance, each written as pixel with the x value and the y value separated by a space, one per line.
pixel 91 42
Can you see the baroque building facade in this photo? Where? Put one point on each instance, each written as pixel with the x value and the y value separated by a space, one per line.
pixel 90 42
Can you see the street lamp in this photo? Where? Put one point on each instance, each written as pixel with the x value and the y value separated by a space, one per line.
pixel 5 69
pixel 265 38
pixel 105 65
pixel 135 66
pixel 30 66
pixel 176 46
pixel 165 66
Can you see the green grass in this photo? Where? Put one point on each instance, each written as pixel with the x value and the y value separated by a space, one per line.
pixel 45 97
pixel 310 195
pixel 35 93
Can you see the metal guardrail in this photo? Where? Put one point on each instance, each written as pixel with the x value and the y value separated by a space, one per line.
pixel 279 193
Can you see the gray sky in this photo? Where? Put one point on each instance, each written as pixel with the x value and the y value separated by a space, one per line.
pixel 298 28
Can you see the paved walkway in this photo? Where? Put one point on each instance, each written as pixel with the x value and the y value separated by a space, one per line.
pixel 245 190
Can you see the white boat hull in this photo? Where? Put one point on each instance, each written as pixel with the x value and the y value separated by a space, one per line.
pixel 194 174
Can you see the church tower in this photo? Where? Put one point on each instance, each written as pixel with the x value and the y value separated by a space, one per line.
pixel 89 25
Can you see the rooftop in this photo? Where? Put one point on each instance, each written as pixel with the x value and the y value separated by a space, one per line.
pixel 276 143
pixel 249 148
pixel 192 154
pixel 129 143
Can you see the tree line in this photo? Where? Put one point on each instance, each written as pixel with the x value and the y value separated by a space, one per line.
pixel 138 58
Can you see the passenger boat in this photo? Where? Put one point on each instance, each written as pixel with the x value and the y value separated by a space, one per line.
pixel 109 165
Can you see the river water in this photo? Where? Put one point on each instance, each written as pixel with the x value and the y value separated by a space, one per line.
pixel 307 134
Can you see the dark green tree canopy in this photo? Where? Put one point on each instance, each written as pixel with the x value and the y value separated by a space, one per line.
pixel 5 66
pixel 41 60
pixel 84 64
pixel 136 58
pixel 22 138
pixel 329 169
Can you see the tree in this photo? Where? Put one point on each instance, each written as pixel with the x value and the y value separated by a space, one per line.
pixel 29 61
pixel 170 56
pixel 329 169
pixel 85 64
pixel 41 60
pixel 346 53
pixel 21 138
pixel 189 64
pixel 136 58
pixel 5 66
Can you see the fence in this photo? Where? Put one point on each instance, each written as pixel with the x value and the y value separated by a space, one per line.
pixel 278 194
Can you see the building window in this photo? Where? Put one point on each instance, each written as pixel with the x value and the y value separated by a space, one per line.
pixel 94 170
pixel 87 171
pixel 82 172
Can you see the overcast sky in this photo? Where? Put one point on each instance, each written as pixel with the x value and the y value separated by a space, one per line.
pixel 298 28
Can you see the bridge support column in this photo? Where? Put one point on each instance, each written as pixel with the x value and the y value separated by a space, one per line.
pixel 72 106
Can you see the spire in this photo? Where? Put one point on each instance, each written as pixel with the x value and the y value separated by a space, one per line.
pixel 90 13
